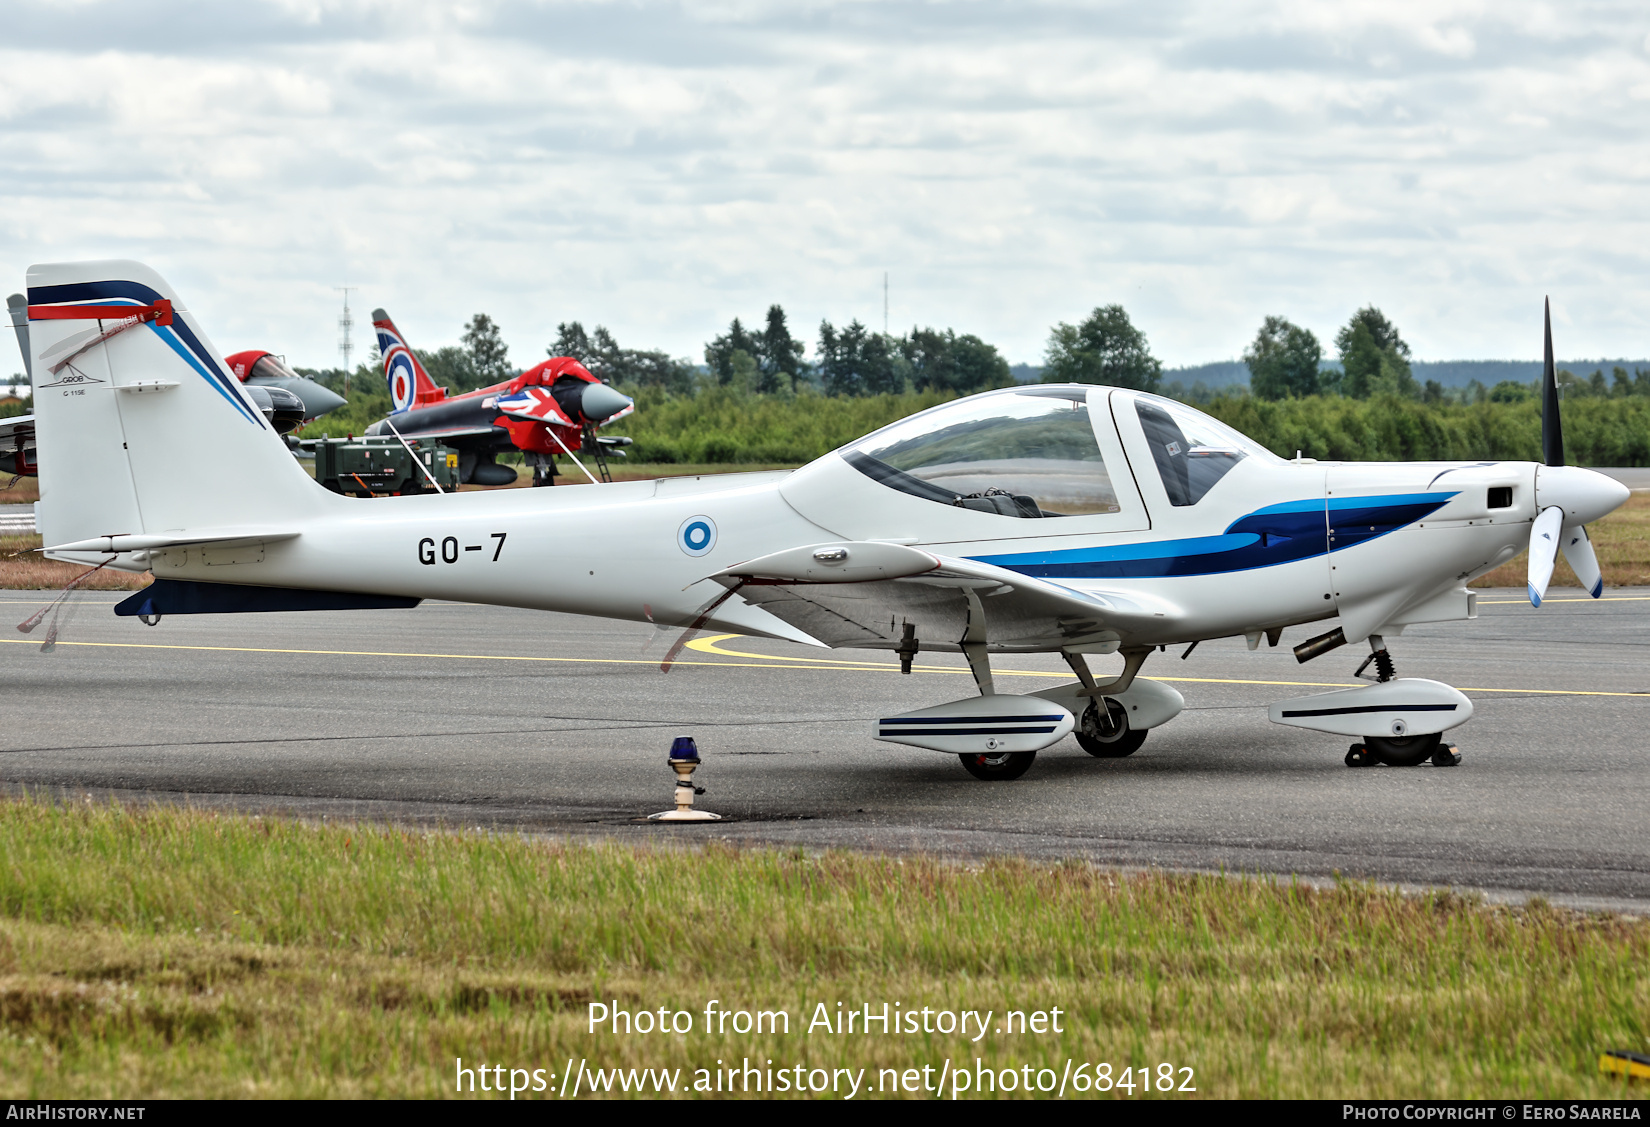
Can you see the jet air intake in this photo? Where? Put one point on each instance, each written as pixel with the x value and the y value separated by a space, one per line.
pixel 283 409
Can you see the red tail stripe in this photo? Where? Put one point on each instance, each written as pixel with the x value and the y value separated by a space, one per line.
pixel 160 312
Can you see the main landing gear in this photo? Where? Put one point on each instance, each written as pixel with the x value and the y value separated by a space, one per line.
pixel 991 765
pixel 1104 730
pixel 996 737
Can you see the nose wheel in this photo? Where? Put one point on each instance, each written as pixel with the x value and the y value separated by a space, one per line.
pixel 997 766
pixel 1406 751
pixel 1411 751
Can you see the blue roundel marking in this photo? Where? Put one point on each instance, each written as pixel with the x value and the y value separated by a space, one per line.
pixel 697 535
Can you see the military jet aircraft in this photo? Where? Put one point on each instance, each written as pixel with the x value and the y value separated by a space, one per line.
pixel 552 407
pixel 17 452
pixel 257 368
pixel 284 398
pixel 1068 519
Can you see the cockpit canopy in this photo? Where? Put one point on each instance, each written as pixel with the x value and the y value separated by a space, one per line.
pixel 1191 451
pixel 1031 452
pixel 271 366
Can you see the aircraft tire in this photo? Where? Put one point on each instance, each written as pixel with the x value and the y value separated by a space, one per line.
pixel 1089 737
pixel 997 767
pixel 1410 751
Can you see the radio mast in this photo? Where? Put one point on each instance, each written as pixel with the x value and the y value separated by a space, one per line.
pixel 885 303
pixel 345 324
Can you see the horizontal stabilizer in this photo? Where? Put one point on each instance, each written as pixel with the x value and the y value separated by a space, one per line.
pixel 145 542
pixel 182 596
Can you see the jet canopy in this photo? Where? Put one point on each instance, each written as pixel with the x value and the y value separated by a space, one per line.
pixel 1032 451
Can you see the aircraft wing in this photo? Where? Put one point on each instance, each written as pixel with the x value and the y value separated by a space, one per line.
pixel 861 594
pixel 17 425
pixel 455 432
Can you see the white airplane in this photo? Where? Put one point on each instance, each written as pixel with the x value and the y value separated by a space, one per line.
pixel 1067 519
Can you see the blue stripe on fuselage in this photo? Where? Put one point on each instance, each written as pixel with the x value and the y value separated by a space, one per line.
pixel 1277 534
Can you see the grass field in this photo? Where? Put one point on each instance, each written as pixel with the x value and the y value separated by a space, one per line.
pixel 160 951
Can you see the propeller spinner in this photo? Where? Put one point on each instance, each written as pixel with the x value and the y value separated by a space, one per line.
pixel 1566 497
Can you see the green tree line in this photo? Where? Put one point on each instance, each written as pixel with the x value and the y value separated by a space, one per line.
pixel 725 425
pixel 1597 432
pixel 758 399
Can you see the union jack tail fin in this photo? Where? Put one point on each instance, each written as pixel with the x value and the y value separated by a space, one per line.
pixel 410 384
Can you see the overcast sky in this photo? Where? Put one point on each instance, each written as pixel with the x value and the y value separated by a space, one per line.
pixel 662 167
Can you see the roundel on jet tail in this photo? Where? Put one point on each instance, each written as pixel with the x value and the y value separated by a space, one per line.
pixel 697 535
pixel 402 380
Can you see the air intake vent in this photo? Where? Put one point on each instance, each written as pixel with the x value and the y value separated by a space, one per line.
pixel 1501 497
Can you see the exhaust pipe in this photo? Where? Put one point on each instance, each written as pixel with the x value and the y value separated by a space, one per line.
pixel 1317 647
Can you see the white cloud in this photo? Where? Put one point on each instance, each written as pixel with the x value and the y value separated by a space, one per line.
pixel 663 167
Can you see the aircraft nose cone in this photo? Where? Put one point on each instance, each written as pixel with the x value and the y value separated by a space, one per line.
pixel 1584 495
pixel 317 399
pixel 600 402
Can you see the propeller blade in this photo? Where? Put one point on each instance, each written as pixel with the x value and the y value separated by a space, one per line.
pixel 1578 553
pixel 1552 427
pixel 1544 536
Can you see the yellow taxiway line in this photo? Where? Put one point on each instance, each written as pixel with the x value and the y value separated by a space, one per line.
pixel 1544 602
pixel 708 645
pixel 757 661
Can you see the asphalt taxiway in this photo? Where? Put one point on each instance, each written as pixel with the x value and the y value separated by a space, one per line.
pixel 480 716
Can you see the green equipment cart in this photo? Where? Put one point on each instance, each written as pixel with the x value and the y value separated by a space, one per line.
pixel 382 466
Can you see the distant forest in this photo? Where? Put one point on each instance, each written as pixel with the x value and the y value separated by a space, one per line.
pixel 1450 373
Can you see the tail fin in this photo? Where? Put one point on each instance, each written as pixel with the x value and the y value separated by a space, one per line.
pixel 141 429
pixel 410 385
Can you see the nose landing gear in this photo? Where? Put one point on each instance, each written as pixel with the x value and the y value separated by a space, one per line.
pixel 1412 751
pixel 1400 721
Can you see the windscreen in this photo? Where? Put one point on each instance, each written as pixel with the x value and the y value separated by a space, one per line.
pixel 1021 453
pixel 1191 450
